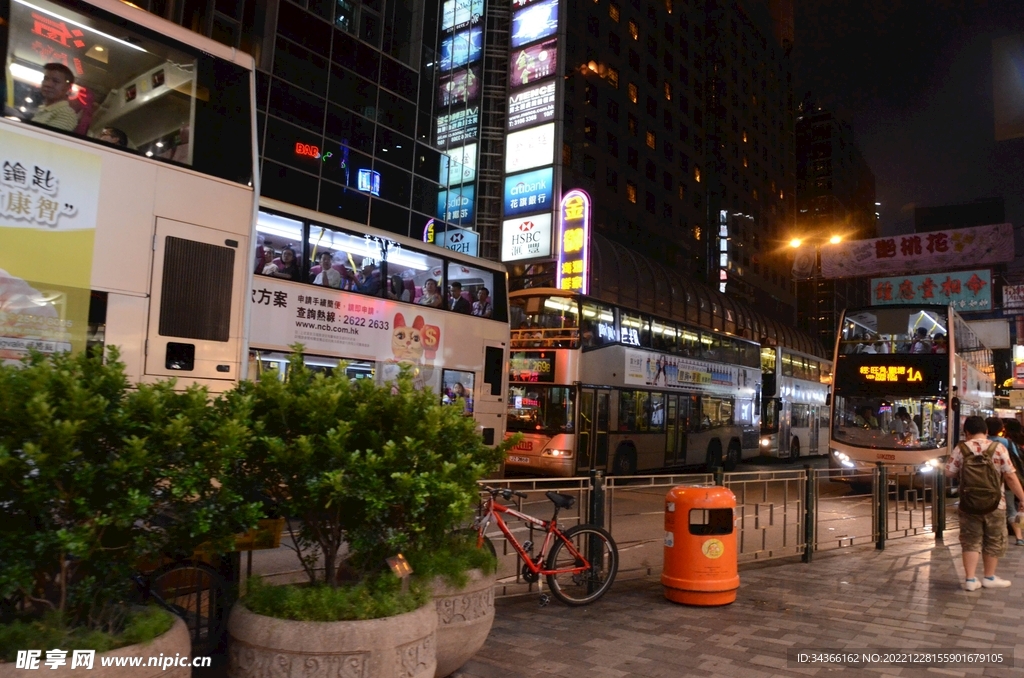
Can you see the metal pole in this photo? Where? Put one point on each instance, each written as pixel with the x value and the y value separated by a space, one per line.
pixel 939 504
pixel 881 504
pixel 597 489
pixel 719 476
pixel 809 517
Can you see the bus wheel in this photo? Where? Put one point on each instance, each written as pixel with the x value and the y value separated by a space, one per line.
pixel 625 462
pixel 732 459
pixel 794 449
pixel 714 458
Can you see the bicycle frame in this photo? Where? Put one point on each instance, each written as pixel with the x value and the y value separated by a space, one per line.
pixel 493 510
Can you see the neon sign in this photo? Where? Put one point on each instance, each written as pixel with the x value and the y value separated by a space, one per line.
pixel 573 242
pixel 307 150
pixel 368 181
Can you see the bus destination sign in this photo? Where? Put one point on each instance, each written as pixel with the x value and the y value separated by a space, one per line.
pixel 532 366
pixel 890 373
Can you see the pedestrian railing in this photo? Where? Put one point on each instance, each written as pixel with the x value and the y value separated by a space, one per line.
pixel 770 513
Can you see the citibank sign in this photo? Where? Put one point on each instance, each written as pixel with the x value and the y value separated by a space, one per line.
pixel 526 238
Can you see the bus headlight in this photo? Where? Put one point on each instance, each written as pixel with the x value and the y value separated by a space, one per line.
pixel 765 442
pixel 929 466
pixel 557 453
pixel 843 458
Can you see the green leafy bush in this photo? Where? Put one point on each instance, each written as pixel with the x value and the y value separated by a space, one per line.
pixel 140 626
pixel 96 478
pixel 372 598
pixel 452 559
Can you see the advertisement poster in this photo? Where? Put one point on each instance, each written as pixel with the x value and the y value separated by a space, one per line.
pixel 456 204
pixel 459 14
pixel 526 238
pixel 655 369
pixel 49 196
pixel 459 87
pixel 1013 297
pixel 536 21
pixel 458 166
pixel 529 192
pixel 964 290
pixel 462 48
pixel 918 252
pixel 530 148
pixel 533 63
pixel 457 126
pixel 343 325
pixel 531 106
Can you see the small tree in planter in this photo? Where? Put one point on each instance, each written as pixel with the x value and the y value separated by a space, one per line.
pixel 96 478
pixel 377 469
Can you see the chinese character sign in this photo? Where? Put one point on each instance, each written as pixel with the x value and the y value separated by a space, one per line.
pixel 574 242
pixel 1013 297
pixel 893 373
pixel 918 252
pixel 964 290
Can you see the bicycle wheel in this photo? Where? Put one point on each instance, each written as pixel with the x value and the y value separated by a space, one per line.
pixel 598 547
pixel 195 592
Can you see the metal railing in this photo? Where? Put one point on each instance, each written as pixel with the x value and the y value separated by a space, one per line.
pixel 779 514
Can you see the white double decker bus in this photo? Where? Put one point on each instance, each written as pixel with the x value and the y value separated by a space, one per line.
pixel 599 386
pixel 794 415
pixel 127 204
pixel 900 393
pixel 378 301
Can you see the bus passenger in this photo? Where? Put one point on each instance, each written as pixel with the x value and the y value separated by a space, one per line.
pixel 865 418
pixel 397 290
pixel 904 427
pixel 482 306
pixel 113 135
pixel 920 343
pixel 431 296
pixel 456 300
pixel 940 345
pixel 286 267
pixel 56 111
pixel 327 277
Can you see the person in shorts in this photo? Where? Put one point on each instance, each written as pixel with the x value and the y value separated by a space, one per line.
pixel 984 535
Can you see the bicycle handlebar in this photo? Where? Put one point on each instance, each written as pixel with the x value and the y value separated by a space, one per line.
pixel 505 492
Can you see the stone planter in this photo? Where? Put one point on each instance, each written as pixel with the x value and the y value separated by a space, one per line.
pixel 175 642
pixel 464 619
pixel 393 647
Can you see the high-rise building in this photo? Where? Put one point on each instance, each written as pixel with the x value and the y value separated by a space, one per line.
pixel 835 197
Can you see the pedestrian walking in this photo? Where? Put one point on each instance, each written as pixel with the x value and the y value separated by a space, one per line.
pixel 982 466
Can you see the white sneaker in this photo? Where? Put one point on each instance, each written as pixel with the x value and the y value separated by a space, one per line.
pixel 972 585
pixel 995 583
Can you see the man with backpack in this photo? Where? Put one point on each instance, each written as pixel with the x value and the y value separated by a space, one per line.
pixel 982 467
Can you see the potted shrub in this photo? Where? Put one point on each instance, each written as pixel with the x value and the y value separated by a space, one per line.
pixel 96 478
pixel 364 472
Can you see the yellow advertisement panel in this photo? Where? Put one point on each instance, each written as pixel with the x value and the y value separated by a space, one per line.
pixel 49 195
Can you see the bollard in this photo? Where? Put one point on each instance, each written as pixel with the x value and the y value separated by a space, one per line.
pixel 939 504
pixel 719 476
pixel 882 504
pixel 809 518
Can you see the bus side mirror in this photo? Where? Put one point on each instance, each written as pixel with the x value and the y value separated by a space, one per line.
pixel 778 406
pixel 828 400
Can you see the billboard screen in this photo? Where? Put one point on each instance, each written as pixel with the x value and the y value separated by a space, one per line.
pixel 459 14
pixel 530 148
pixel 459 87
pixel 457 126
pixel 528 192
pixel 534 22
pixel 462 48
pixel 458 166
pixel 526 238
pixel 531 106
pixel 536 62
pixel 456 204
pixel 964 290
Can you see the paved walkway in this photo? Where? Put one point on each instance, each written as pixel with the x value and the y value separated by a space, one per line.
pixel 903 598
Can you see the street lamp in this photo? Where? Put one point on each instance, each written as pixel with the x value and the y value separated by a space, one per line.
pixel 796 242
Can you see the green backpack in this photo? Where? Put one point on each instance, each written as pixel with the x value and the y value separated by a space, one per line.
pixel 981 483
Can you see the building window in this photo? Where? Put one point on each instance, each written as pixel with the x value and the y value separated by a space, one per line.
pixel 666 181
pixel 668 150
pixel 613 145
pixel 634 61
pixel 631 124
pixel 652 107
pixel 590 129
pixel 668 91
pixel 696 174
pixel 613 12
pixel 613 78
pixel 613 110
pixel 745 161
pixel 682 191
pixel 668 6
pixel 631 192
pixel 632 157
pixel 567 155
pixel 744 136
pixel 613 42
pixel 590 167
pixel 651 203
pixel 666 120
pixel 666 210
pixel 652 46
pixel 650 170
pixel 631 89
pixel 590 94
pixel 634 31
pixel 651 141
pixel 652 76
pixel 594 26
pixel 611 179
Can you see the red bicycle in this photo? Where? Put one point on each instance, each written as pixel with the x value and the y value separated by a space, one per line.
pixel 582 561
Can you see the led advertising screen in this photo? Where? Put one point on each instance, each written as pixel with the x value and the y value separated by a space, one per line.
pixel 538 20
pixel 456 204
pixel 462 48
pixel 531 106
pixel 529 192
pixel 526 238
pixel 529 148
pixel 536 62
pixel 457 126
pixel 459 14
pixel 458 166
pixel 459 87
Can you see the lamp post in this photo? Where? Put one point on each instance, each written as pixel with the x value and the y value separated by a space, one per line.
pixel 807 268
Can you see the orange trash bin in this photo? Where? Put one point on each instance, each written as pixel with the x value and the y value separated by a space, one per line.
pixel 700 546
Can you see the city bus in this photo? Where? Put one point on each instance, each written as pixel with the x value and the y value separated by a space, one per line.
pixel 901 394
pixel 599 386
pixel 794 412
pixel 379 301
pixel 127 196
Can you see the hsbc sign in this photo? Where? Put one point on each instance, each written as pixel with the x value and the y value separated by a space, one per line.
pixel 459 240
pixel 526 238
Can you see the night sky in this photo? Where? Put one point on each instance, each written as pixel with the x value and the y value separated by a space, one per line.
pixel 914 78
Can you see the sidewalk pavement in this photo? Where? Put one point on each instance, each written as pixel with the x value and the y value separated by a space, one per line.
pixel 906 597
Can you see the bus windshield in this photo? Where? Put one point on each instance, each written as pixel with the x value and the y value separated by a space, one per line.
pixel 895 330
pixel 541 409
pixel 890 422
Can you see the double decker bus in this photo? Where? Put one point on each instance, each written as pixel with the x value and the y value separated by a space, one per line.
pixel 899 394
pixel 127 195
pixel 794 412
pixel 599 386
pixel 379 301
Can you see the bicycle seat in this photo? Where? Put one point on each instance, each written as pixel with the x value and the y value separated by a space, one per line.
pixel 562 501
